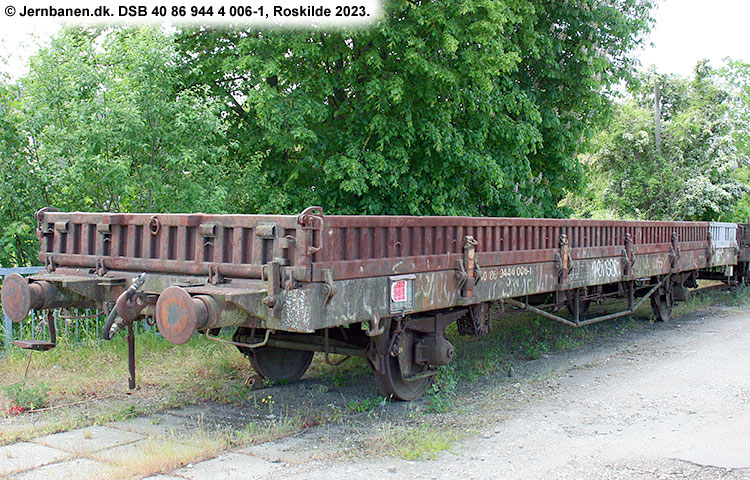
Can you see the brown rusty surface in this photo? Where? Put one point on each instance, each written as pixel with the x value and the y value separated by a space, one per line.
pixel 169 243
pixel 363 246
pixel 177 315
pixel 238 246
pixel 16 297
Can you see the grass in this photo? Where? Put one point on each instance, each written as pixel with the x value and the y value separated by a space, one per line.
pixel 94 369
pixel 163 454
pixel 421 442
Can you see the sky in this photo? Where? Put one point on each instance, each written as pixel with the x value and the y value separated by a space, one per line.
pixel 686 31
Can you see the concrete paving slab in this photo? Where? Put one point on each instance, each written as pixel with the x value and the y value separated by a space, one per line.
pixel 89 439
pixel 76 468
pixel 230 466
pixel 163 477
pixel 24 455
pixel 160 424
pixel 290 450
pixel 120 454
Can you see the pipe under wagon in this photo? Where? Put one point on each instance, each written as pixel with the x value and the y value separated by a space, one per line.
pixel 379 287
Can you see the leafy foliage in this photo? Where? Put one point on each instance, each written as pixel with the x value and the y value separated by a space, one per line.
pixel 451 107
pixel 101 122
pixel 693 176
pixel 737 79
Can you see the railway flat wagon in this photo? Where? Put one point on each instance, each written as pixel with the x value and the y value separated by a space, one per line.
pixel 379 287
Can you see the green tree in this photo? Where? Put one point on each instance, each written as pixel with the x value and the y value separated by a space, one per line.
pixel 737 78
pixel 693 175
pixel 102 122
pixel 450 107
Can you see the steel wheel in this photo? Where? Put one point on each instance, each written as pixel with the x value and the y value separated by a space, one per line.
pixel 583 305
pixel 392 384
pixel 662 306
pixel 280 364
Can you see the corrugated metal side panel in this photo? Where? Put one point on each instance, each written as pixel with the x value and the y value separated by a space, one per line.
pixel 723 234
pixel 170 243
pixel 361 246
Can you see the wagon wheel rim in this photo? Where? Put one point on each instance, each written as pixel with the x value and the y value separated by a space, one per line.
pixel 662 307
pixel 583 305
pixel 280 364
pixel 391 382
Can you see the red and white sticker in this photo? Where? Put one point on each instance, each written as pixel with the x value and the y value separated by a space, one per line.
pixel 398 291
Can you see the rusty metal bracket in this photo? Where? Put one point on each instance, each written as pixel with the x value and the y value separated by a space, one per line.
pixel 289 283
pixel 251 346
pixel 49 264
pixel 214 276
pixel 563 260
pixel 396 347
pixel 100 269
pixel 469 263
pixel 329 289
pixel 311 220
pixel 629 256
pixel 710 249
pixel 674 252
pixel 327 350
pixel 461 275
pixel 375 328
pixel 271 274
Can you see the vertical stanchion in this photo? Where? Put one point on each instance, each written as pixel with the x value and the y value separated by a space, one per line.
pixel 131 356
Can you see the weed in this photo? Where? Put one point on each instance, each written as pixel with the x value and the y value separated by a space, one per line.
pixel 443 389
pixel 27 398
pixel 166 453
pixel 267 403
pixel 366 405
pixel 422 442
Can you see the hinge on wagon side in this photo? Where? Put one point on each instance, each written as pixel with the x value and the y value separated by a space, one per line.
pixel 563 260
pixel 271 274
pixel 628 258
pixel 469 273
pixel 214 277
pixel 710 249
pixel 674 252
pixel 311 220
pixel 100 268
pixel 329 289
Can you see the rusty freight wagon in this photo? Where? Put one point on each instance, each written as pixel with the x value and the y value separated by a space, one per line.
pixel 379 287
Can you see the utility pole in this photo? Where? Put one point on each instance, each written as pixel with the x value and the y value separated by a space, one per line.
pixel 657 116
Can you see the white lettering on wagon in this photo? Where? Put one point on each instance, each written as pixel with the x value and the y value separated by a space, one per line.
pixel 605 268
pixel 513 281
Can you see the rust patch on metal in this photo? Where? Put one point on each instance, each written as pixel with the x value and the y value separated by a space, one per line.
pixel 177 315
pixel 16 297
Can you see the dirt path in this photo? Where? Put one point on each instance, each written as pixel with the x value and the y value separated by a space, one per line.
pixel 668 402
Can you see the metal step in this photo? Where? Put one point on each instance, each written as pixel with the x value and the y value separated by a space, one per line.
pixel 39 345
